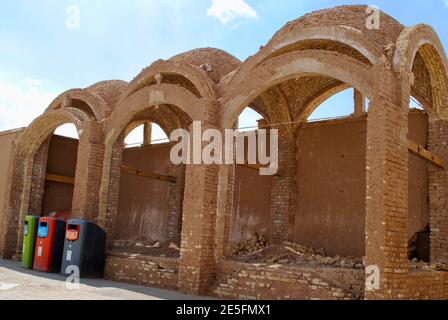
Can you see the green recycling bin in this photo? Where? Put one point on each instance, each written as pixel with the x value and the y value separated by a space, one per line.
pixel 29 240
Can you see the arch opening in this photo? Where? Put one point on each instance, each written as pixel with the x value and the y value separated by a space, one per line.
pixel 316 203
pixel 149 193
pixel 61 160
pixel 418 186
pixel 146 134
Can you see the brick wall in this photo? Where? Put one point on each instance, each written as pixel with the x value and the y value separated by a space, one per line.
pixel 155 272
pixel 238 280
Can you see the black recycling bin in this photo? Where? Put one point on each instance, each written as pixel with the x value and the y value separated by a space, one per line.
pixel 85 248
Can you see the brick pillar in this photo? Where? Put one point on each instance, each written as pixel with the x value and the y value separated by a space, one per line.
pixel 175 198
pixel 225 210
pixel 387 185
pixel 284 188
pixel 197 261
pixel 438 191
pixel 111 193
pixel 197 264
pixel 89 167
pixel 38 178
pixel 147 133
pixel 17 206
pixel 359 99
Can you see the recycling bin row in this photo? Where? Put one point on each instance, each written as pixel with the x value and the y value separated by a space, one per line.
pixel 54 246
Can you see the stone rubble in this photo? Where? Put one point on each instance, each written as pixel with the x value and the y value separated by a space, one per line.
pixel 416 265
pixel 259 250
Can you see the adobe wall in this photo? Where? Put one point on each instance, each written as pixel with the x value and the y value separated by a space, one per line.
pixel 330 212
pixel 7 139
pixel 251 203
pixel 418 200
pixel 144 203
pixel 62 156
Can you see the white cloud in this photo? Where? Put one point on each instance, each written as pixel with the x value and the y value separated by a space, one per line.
pixel 21 104
pixel 33 82
pixel 228 10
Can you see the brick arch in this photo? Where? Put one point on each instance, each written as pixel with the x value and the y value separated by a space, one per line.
pixel 165 97
pixel 422 40
pixel 241 91
pixel 98 107
pixel 350 38
pixel 42 127
pixel 24 177
pixel 189 76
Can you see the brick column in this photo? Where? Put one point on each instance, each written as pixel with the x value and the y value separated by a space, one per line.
pixel 147 133
pixel 197 262
pixel 89 167
pixel 225 210
pixel 359 99
pixel 176 198
pixel 438 191
pixel 17 204
pixel 38 179
pixel 111 188
pixel 284 188
pixel 387 184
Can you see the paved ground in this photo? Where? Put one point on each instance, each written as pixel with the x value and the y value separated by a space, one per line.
pixel 17 283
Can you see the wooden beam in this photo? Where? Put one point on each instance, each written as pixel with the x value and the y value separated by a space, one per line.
pixel 145 174
pixel 60 179
pixel 421 152
pixel 256 167
pixel 126 170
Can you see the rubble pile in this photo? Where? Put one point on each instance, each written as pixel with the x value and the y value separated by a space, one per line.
pixel 416 265
pixel 144 245
pixel 256 243
pixel 258 250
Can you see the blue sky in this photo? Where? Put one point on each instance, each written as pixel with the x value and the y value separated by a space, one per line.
pixel 41 57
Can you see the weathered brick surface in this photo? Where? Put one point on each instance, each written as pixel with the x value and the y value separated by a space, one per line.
pixel 305 63
pixel 284 190
pixel 143 270
pixel 258 281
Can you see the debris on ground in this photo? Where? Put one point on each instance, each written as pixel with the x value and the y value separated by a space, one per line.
pixel 416 265
pixel 144 245
pixel 259 250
